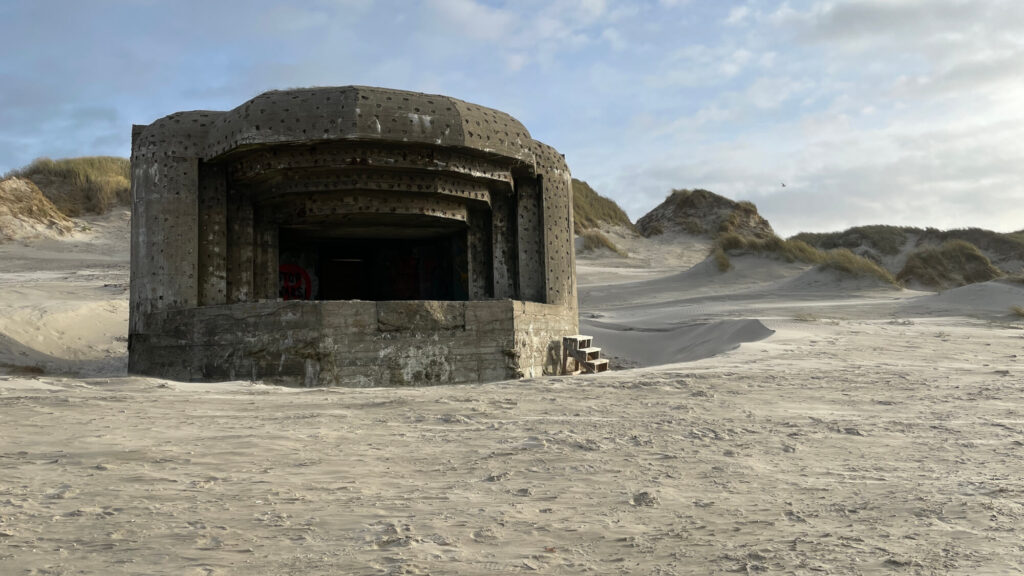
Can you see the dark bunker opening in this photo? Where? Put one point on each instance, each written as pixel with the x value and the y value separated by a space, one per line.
pixel 343 263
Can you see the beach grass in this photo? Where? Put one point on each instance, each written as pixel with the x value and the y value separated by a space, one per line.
pixel 89 184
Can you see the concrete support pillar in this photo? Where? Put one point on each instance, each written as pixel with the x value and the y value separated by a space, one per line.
pixel 213 247
pixel 530 237
pixel 164 237
pixel 478 248
pixel 265 258
pixel 503 226
pixel 240 249
pixel 559 255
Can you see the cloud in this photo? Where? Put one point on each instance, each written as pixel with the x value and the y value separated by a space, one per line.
pixel 593 8
pixel 516 61
pixel 938 29
pixel 475 20
pixel 990 73
pixel 737 15
pixel 772 91
pixel 904 111
pixel 614 39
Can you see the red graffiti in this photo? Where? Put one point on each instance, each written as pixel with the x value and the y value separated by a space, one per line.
pixel 294 283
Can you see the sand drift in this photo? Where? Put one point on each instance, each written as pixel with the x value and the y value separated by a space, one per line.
pixel 653 346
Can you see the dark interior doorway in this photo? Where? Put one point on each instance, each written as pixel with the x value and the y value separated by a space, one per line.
pixel 343 268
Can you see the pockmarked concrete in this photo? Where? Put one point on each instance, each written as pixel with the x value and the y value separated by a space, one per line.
pixel 349 236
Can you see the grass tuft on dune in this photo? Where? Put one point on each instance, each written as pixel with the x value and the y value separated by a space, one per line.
pixel 591 210
pixel 76 186
pixel 885 239
pixel 954 263
pixel 843 260
pixel 839 259
pixel 594 240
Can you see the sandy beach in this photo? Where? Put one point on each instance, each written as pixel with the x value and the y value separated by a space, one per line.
pixel 771 419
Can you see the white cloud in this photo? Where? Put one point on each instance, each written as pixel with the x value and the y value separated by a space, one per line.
pixel 593 8
pixel 734 63
pixel 475 20
pixel 938 29
pixel 700 65
pixel 902 111
pixel 515 62
pixel 614 39
pixel 737 15
pixel 771 92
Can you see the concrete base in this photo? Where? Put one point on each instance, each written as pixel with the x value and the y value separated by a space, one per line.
pixel 354 343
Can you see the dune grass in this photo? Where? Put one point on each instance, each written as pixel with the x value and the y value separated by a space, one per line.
pixel 699 212
pixel 843 260
pixel 591 210
pixel 25 211
pixel 721 259
pixel 654 229
pixel 80 185
pixel 1018 310
pixel 790 250
pixel 996 244
pixel 740 219
pixel 839 259
pixel 954 263
pixel 594 240
pixel 890 240
pixel 885 239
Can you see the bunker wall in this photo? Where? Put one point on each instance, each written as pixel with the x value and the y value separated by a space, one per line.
pixel 353 343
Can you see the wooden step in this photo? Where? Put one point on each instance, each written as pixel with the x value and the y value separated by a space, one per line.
pixel 584 356
pixel 577 341
pixel 587 353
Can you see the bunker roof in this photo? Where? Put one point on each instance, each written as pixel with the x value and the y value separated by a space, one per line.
pixel 324 114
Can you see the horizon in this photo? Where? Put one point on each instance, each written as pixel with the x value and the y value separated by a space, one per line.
pixel 825 114
pixel 632 221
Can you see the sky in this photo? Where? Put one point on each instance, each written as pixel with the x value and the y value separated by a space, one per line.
pixel 825 113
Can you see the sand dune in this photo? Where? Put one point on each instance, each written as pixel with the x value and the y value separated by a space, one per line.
pixel 632 346
pixel 63 303
pixel 26 213
pixel 830 427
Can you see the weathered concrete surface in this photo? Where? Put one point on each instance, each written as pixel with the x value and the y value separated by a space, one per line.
pixel 354 343
pixel 342 194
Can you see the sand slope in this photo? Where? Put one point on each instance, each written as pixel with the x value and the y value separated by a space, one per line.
pixel 63 302
pixel 872 432
pixel 26 213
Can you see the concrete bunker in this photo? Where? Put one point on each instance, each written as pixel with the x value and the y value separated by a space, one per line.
pixel 349 236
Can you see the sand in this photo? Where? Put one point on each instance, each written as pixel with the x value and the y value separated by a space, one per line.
pixel 826 426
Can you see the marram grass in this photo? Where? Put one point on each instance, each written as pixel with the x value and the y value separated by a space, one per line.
pixel 596 240
pixel 840 259
pixel 79 185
